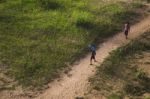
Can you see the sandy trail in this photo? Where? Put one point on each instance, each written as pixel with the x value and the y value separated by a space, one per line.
pixel 77 84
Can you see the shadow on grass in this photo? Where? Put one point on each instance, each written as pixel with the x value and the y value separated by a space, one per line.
pixel 49 4
pixel 148 1
pixel 7 18
pixel 130 16
pixel 13 23
pixel 2 1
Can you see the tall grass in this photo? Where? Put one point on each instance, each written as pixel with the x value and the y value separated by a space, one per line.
pixel 38 38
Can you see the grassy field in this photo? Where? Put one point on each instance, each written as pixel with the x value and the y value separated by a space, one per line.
pixel 39 38
pixel 120 75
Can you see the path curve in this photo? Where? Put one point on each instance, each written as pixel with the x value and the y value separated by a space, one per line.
pixel 77 84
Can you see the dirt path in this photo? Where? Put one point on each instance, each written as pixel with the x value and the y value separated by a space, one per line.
pixel 77 84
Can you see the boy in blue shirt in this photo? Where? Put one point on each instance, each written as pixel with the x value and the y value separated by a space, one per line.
pixel 93 54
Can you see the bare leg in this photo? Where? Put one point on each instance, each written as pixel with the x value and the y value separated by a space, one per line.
pixel 126 34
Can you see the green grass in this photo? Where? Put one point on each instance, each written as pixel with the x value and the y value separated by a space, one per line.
pixel 39 38
pixel 114 96
pixel 147 98
pixel 118 72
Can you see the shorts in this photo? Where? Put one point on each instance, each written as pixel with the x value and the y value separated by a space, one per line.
pixel 93 57
pixel 126 32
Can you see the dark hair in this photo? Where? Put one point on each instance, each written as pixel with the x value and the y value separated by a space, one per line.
pixel 128 22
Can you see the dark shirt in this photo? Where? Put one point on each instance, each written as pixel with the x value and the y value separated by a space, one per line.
pixel 93 52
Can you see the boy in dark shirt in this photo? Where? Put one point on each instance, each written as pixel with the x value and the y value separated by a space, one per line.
pixel 126 29
pixel 93 54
